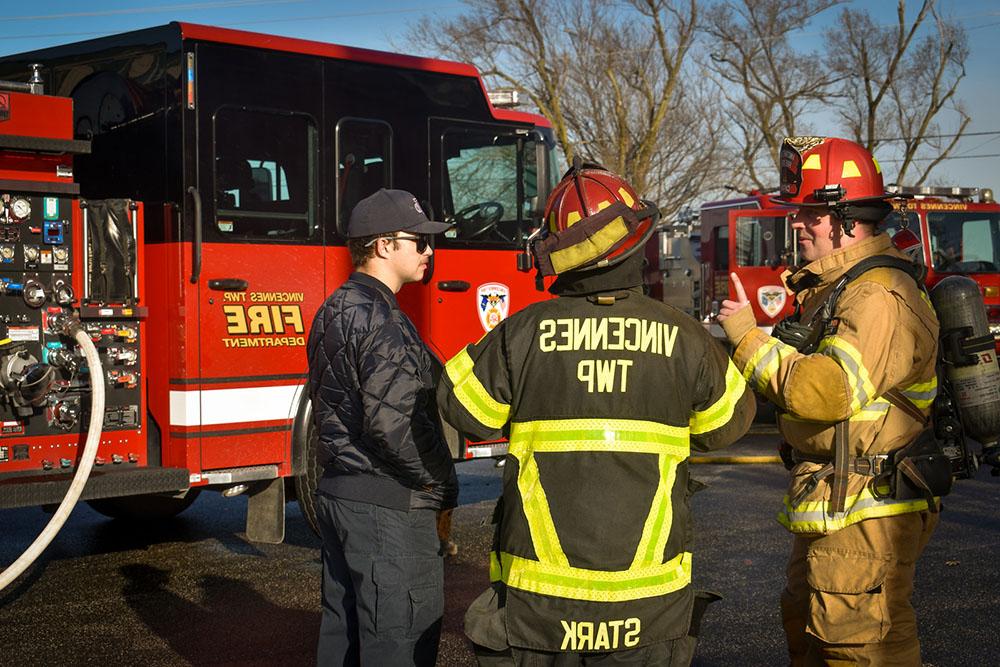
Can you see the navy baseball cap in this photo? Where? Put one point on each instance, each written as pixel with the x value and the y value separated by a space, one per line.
pixel 389 211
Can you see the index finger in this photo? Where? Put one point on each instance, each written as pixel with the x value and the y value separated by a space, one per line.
pixel 741 294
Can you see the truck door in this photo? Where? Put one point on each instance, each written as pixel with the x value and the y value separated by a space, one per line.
pixel 262 270
pixel 760 247
pixel 486 179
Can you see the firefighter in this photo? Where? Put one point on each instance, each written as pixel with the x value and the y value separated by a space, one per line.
pixel 387 470
pixel 851 385
pixel 603 393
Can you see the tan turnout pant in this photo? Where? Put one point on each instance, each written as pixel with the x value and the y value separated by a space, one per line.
pixel 847 597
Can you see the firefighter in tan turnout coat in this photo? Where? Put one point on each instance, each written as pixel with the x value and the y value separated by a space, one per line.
pixel 850 576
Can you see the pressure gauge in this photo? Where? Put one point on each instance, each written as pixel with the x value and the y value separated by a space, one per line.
pixel 21 208
pixel 31 253
pixel 6 252
pixel 60 254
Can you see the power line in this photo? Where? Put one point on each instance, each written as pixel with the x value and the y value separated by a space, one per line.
pixel 948 157
pixel 940 136
pixel 423 8
pixel 159 8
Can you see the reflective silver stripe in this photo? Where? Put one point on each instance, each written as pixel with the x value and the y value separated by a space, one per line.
pixel 849 360
pixel 815 517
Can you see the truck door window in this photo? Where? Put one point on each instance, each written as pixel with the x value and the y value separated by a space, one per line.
pixel 364 163
pixel 760 241
pixel 489 187
pixel 720 248
pixel 264 175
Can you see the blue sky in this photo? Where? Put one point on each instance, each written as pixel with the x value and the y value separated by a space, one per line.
pixel 383 24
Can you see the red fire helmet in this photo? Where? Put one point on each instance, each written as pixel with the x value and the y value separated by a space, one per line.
pixel 821 171
pixel 594 219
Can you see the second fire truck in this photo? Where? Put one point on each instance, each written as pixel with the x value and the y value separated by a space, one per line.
pixel 951 231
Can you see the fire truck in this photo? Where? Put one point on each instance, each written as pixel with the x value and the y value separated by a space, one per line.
pixel 182 192
pixel 950 230
pixel 953 230
pixel 752 237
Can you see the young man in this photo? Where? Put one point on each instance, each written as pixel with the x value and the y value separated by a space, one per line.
pixel 850 388
pixel 604 392
pixel 387 470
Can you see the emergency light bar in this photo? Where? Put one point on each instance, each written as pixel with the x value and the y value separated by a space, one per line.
pixel 985 194
pixel 505 98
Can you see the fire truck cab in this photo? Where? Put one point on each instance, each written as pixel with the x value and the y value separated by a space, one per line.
pixel 953 230
pixel 752 237
pixel 950 230
pixel 248 153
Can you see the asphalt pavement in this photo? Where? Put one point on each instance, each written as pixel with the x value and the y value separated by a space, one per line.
pixel 193 591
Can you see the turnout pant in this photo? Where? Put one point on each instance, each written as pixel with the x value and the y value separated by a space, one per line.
pixel 383 585
pixel 676 653
pixel 847 598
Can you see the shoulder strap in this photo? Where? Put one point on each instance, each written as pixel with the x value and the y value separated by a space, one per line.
pixel 841 460
pixel 917 272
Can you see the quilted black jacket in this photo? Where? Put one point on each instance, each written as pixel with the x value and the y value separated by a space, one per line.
pixel 372 383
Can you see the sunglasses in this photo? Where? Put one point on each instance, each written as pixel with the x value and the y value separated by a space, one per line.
pixel 423 241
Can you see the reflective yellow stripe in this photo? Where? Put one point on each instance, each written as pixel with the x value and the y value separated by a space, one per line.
pixel 720 412
pixel 551 573
pixel 473 395
pixel 815 516
pixel 495 572
pixel 849 360
pixel 765 361
pixel 595 585
pixel 922 394
pixel 536 510
pixel 589 249
pixel 657 527
pixel 870 413
pixel 600 435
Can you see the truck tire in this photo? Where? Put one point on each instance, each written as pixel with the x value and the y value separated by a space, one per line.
pixel 151 507
pixel 307 481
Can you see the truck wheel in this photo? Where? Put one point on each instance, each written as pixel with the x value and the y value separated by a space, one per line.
pixel 147 507
pixel 307 482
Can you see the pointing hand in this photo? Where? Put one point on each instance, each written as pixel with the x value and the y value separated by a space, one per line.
pixel 729 307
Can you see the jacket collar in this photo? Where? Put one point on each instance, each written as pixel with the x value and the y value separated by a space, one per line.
pixel 624 276
pixel 826 270
pixel 375 283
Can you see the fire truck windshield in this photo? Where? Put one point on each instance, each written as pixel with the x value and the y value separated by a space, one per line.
pixel 965 241
pixel 491 185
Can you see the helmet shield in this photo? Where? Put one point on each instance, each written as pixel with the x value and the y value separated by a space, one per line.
pixel 594 219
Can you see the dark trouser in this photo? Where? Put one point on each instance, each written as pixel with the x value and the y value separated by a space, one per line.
pixel 847 598
pixel 677 653
pixel 383 585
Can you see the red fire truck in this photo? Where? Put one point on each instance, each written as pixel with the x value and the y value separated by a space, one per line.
pixel 953 231
pixel 752 237
pixel 949 230
pixel 247 152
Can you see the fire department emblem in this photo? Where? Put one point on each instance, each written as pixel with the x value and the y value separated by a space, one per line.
pixel 4 106
pixel 493 304
pixel 771 299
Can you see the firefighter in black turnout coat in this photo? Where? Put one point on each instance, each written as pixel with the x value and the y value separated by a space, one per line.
pixel 603 392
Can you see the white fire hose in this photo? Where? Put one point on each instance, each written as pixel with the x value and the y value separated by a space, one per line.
pixel 83 467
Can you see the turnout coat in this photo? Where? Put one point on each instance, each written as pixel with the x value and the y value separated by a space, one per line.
pixel 603 393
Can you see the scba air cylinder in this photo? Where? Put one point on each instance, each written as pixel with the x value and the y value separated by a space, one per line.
pixel 970 352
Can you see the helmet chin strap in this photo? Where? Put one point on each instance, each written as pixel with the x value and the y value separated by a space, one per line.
pixel 846 221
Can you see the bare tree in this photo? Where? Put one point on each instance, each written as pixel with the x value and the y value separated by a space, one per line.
pixel 896 83
pixel 607 76
pixel 767 85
